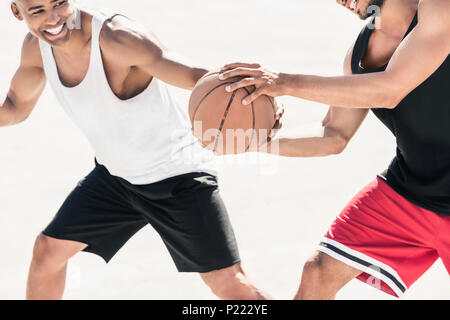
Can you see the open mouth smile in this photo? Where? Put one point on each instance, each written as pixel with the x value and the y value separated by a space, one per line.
pixel 55 33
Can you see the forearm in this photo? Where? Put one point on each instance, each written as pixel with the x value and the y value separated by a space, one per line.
pixel 306 147
pixel 365 91
pixel 182 76
pixel 188 77
pixel 177 73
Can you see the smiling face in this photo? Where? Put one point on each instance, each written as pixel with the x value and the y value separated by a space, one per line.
pixel 46 19
pixel 363 8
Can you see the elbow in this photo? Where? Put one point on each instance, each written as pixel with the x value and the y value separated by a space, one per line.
pixel 21 118
pixel 10 121
pixel 337 146
pixel 391 101
pixel 390 97
pixel 11 115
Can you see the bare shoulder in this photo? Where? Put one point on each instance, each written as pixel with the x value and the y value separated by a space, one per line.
pixel 435 13
pixel 122 23
pixel 434 22
pixel 120 32
pixel 31 53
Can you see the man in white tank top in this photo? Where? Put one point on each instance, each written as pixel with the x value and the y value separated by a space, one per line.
pixel 110 78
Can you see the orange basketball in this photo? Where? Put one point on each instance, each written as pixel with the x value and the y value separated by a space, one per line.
pixel 222 123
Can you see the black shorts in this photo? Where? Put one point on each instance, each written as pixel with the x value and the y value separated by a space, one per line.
pixel 187 211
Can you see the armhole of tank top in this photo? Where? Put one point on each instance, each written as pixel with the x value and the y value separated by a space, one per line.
pixel 413 24
pixel 358 50
pixel 98 20
pixel 48 62
pixel 97 24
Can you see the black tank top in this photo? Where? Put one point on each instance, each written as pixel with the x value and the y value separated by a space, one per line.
pixel 421 124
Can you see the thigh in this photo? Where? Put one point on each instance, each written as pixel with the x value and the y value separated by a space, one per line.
pixel 97 213
pixel 382 234
pixel 193 223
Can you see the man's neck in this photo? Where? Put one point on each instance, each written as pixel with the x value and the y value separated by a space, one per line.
pixel 396 16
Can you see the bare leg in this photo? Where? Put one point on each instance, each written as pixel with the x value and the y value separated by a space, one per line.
pixel 47 274
pixel 323 277
pixel 232 284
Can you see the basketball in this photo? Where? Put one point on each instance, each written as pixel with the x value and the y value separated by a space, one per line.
pixel 222 123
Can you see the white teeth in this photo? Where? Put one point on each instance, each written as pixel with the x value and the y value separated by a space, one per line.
pixel 353 4
pixel 55 31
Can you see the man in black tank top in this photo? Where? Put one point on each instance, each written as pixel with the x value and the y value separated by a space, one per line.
pixel 399 67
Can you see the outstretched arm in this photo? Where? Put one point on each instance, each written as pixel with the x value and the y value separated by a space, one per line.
pixel 415 60
pixel 340 125
pixel 136 47
pixel 26 86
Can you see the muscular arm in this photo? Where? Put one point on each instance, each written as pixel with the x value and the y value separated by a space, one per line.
pixel 417 57
pixel 138 48
pixel 26 86
pixel 340 125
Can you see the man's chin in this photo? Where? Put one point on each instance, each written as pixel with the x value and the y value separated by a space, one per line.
pixel 57 42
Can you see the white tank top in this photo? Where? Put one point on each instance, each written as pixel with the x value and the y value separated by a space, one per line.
pixel 144 139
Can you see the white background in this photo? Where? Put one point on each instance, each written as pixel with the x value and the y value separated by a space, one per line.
pixel 280 208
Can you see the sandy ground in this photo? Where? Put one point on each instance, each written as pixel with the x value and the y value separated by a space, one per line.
pixel 280 208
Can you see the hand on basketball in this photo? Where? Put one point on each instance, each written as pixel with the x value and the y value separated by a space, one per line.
pixel 266 82
pixel 278 123
pixel 267 147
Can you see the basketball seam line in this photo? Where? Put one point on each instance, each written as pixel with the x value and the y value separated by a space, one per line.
pixel 207 95
pixel 253 123
pixel 227 110
pixel 222 123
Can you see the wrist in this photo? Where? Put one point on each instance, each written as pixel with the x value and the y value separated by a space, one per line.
pixel 201 72
pixel 198 74
pixel 287 84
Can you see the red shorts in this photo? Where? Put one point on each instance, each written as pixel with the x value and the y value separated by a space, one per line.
pixel 388 238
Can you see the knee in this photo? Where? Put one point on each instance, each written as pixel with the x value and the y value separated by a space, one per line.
pixel 323 276
pixel 316 269
pixel 226 283
pixel 45 255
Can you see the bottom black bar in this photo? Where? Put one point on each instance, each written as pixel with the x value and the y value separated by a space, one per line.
pixel 192 310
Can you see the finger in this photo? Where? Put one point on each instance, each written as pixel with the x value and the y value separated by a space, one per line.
pixel 278 124
pixel 277 116
pixel 273 133
pixel 240 65
pixel 244 83
pixel 240 72
pixel 255 95
pixel 280 112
